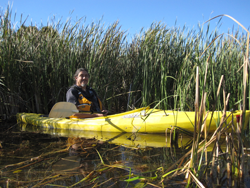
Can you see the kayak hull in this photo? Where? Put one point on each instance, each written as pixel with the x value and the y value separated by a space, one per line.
pixel 142 120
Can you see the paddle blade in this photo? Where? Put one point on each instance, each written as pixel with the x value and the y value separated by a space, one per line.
pixel 62 110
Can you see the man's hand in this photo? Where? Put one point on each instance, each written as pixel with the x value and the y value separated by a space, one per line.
pixel 105 112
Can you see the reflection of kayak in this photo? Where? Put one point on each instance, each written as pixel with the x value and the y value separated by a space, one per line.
pixel 138 140
pixel 131 140
pixel 133 121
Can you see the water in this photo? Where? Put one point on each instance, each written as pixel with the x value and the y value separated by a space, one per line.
pixel 35 157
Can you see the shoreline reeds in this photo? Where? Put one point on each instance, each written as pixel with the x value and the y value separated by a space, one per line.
pixel 37 64
pixel 235 135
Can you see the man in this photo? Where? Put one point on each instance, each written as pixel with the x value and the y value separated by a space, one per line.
pixel 84 97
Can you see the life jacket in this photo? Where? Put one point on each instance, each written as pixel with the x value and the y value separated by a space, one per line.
pixel 85 104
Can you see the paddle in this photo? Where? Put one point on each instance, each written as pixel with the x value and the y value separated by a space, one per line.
pixel 66 109
pixel 63 109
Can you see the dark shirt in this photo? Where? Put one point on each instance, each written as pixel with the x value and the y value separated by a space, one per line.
pixel 90 94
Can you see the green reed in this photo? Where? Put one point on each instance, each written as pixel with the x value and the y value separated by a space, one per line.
pixel 198 166
pixel 38 63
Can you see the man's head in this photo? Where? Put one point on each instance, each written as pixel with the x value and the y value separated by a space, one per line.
pixel 81 77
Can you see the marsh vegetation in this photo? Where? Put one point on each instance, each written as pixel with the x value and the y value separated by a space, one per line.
pixel 38 63
pixel 185 69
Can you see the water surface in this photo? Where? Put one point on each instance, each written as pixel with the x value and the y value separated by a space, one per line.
pixel 36 157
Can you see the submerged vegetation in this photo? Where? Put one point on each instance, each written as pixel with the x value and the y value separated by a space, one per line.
pixel 74 162
pixel 61 159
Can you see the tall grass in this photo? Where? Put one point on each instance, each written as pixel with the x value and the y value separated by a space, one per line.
pixel 38 63
pixel 230 160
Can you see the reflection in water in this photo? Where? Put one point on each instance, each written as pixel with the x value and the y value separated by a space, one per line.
pixel 137 140
pixel 125 153
pixel 82 158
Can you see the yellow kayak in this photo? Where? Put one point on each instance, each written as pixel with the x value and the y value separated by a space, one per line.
pixel 142 120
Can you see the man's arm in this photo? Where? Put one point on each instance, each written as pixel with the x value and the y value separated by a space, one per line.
pixel 104 110
pixel 72 96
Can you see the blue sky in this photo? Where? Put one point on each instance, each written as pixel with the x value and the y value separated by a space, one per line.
pixel 133 15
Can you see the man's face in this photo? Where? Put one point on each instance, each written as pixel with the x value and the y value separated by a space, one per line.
pixel 82 79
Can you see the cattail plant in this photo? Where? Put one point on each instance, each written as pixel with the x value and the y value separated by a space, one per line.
pixel 126 73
